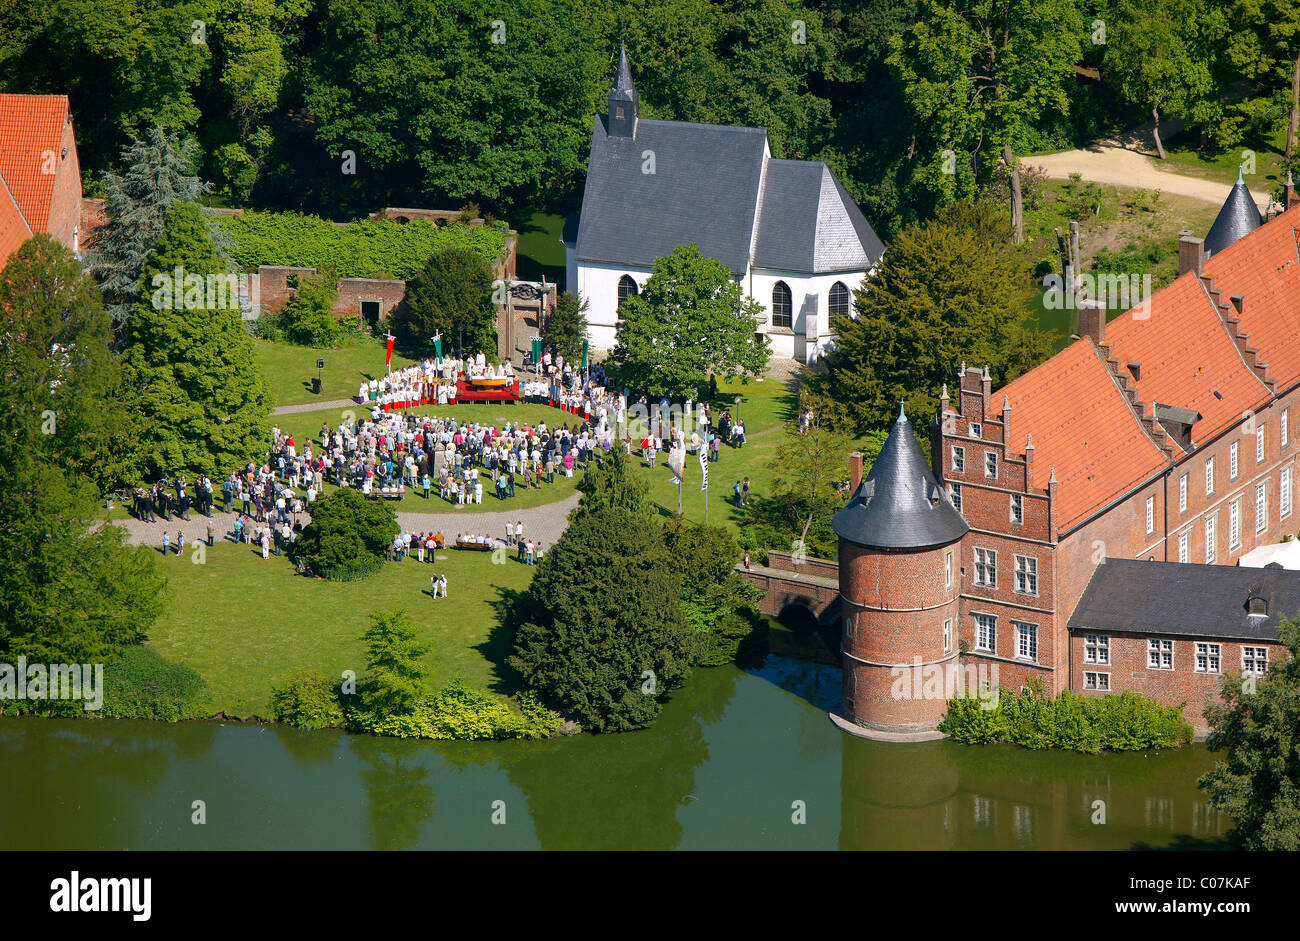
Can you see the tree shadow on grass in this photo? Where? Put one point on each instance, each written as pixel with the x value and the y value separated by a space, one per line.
pixel 500 643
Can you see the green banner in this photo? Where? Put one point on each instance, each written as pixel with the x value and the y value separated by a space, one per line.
pixel 437 347
pixel 584 354
pixel 537 349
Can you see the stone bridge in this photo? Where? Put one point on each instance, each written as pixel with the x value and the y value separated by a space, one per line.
pixel 812 584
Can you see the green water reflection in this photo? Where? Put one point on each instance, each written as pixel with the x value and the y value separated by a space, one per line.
pixel 723 768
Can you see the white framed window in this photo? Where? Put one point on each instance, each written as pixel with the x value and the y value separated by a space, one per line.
pixel 1183 555
pixel 1261 507
pixel 1207 658
pixel 954 494
pixel 1151 515
pixel 1210 538
pixel 1259 444
pixel 1209 476
pixel 947 569
pixel 1182 494
pixel 1026 640
pixel 1027 574
pixel 959 460
pixel 1096 648
pixel 1096 681
pixel 986 632
pixel 947 636
pixel 1254 660
pixel 1283 430
pixel 1284 494
pixel 1160 654
pixel 990 464
pixel 1232 461
pixel 1234 523
pixel 975 430
pixel 1017 508
pixel 986 568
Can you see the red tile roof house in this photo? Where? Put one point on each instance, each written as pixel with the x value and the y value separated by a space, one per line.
pixel 1166 438
pixel 40 176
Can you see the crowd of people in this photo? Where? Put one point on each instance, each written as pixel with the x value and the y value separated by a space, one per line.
pixel 396 449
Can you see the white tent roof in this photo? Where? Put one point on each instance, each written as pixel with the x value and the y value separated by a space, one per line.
pixel 1286 554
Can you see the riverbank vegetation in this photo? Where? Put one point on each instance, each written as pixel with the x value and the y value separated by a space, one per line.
pixel 1127 722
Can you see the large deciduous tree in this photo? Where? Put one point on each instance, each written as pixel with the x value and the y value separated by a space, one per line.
pixel 1161 55
pixel 977 74
pixel 70 591
pixel 1257 782
pixel 690 320
pixel 198 398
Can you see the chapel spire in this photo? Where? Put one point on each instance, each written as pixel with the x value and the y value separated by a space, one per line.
pixel 623 100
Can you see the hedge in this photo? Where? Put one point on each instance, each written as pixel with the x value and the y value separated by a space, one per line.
pixel 361 249
pixel 143 685
pixel 1127 722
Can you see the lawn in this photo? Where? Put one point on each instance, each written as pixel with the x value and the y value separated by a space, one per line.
pixel 243 623
pixel 1183 155
pixel 289 369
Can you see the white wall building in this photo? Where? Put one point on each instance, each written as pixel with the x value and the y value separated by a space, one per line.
pixel 786 229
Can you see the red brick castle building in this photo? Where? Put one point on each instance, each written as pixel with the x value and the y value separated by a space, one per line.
pixel 1061 529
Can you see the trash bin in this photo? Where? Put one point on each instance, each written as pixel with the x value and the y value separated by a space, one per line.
pixel 315 385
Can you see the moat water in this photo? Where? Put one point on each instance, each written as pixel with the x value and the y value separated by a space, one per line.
pixel 733 762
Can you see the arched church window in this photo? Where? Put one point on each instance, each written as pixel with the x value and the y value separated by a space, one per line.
pixel 839 300
pixel 781 306
pixel 626 288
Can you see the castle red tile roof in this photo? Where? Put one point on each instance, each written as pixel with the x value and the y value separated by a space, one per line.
pixel 1083 427
pixel 13 227
pixel 1264 267
pixel 1188 358
pixel 31 126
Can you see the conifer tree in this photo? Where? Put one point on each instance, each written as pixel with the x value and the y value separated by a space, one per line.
pixel 566 328
pixel 158 176
pixel 199 401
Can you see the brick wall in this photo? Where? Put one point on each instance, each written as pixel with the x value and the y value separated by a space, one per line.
pixel 65 201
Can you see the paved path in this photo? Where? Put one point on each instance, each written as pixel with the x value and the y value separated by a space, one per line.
pixel 544 523
pixel 316 407
pixel 1115 166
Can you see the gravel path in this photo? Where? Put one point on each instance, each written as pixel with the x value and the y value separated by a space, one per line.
pixel 1116 166
pixel 544 522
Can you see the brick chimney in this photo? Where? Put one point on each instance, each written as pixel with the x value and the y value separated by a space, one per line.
pixel 1092 321
pixel 855 471
pixel 1191 253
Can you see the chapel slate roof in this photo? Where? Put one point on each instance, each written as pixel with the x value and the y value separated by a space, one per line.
pixel 1186 599
pixel 1239 216
pixel 900 505
pixel 808 223
pixel 704 189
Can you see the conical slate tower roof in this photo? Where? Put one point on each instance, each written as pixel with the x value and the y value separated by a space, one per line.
pixel 623 88
pixel 1239 216
pixel 899 505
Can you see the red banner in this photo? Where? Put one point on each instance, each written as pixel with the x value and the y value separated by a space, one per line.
pixel 388 360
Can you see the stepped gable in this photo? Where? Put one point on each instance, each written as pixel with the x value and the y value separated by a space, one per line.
pixel 900 505
pixel 1085 427
pixel 1176 352
pixel 1263 270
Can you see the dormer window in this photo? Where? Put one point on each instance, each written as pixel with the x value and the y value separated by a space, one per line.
pixel 1257 607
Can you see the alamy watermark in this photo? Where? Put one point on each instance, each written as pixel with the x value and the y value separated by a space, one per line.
pixel 35 681
pixel 946 681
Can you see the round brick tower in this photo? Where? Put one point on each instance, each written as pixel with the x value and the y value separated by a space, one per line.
pixel 900 582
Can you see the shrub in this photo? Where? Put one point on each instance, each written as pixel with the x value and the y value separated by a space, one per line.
pixel 308 318
pixel 307 700
pixel 1127 722
pixel 462 713
pixel 144 685
pixel 347 535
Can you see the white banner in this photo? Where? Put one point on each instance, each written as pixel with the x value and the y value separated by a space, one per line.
pixel 704 467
